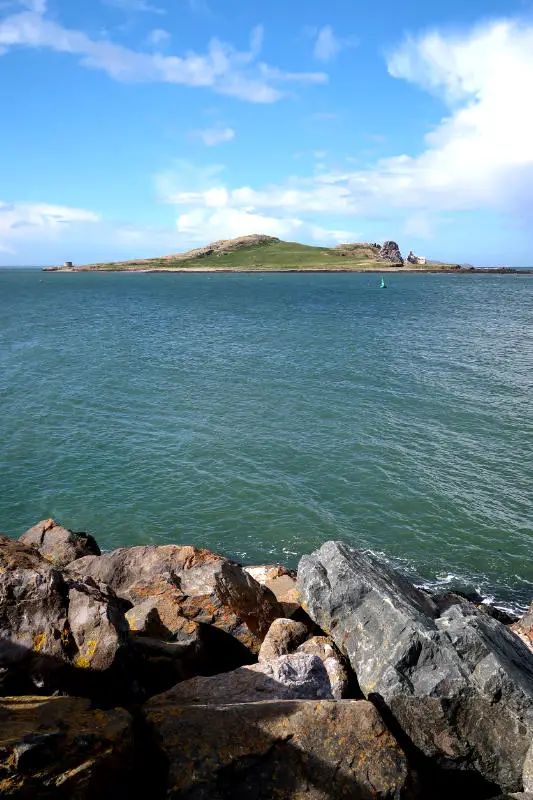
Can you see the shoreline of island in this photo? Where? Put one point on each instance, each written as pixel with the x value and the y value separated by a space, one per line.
pixel 292 270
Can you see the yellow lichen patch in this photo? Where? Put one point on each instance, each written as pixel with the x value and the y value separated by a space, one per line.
pixel 84 659
pixel 39 641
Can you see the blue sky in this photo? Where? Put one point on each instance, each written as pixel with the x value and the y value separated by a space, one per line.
pixel 145 127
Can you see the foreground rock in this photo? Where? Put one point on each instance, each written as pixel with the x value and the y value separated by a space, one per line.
pixel 59 545
pixel 294 749
pixel 201 586
pixel 293 677
pixel 284 636
pixel 390 254
pixel 56 747
pixel 457 681
pixel 323 647
pixel 281 582
pixel 52 631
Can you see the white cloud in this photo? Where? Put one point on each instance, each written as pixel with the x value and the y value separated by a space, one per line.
pixel 214 135
pixel 158 36
pixel 327 45
pixel 135 5
pixel 21 223
pixel 223 69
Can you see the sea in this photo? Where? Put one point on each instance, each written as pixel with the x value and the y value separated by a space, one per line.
pixel 260 415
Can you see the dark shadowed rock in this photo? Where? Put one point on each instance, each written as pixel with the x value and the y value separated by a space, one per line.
pixel 458 682
pixel 284 636
pixel 292 677
pixel 195 584
pixel 390 253
pixel 34 633
pixel 59 545
pixel 325 649
pixel 305 750
pixel 56 747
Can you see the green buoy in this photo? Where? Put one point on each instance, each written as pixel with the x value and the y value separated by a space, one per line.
pixel 383 285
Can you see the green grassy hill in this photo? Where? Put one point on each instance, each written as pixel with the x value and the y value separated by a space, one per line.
pixel 261 253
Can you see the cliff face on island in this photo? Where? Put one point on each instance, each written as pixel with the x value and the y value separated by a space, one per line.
pixel 171 671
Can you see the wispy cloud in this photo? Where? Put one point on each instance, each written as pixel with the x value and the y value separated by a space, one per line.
pixel 158 37
pixel 328 45
pixel 215 135
pixel 135 5
pixel 222 68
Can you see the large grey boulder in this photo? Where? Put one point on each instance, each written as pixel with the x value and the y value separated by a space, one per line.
pixel 59 545
pixel 298 676
pixel 459 683
pixel 293 749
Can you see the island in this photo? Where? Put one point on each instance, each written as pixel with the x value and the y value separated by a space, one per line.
pixel 261 253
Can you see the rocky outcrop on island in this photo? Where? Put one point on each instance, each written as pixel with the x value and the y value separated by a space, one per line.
pixel 390 254
pixel 171 671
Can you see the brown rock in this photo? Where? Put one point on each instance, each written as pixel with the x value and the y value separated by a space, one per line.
pixel 524 628
pixel 284 636
pixel 97 623
pixel 325 649
pixel 34 633
pixel 127 565
pixel 59 545
pixel 292 677
pixel 307 749
pixel 190 583
pixel 144 620
pixel 55 747
pixel 281 582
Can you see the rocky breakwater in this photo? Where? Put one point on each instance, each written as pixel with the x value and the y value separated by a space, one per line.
pixel 175 672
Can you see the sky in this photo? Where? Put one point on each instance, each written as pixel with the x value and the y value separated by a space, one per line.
pixel 138 128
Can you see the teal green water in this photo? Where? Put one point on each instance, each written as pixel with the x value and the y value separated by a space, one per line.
pixel 259 415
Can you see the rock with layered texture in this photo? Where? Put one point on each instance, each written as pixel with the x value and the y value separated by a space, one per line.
pixel 457 681
pixel 281 582
pixel 292 677
pixel 53 629
pixel 34 632
pixel 325 649
pixel 56 747
pixel 390 253
pixel 284 636
pixel 58 545
pixel 200 586
pixel 297 750
pixel 523 628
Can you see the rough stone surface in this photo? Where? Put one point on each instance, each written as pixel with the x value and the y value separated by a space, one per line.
pixel 524 628
pixel 527 774
pixel 284 636
pixel 55 747
pixel 281 582
pixel 390 252
pixel 144 620
pixel 295 750
pixel 325 649
pixel 200 586
pixel 34 634
pixel 458 682
pixel 59 545
pixel 292 677
pixel 97 623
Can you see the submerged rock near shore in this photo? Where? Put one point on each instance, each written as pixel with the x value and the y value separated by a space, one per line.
pixel 179 673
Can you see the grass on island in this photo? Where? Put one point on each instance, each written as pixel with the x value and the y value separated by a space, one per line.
pixel 267 255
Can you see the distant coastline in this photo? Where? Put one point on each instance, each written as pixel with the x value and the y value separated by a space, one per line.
pixel 358 270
